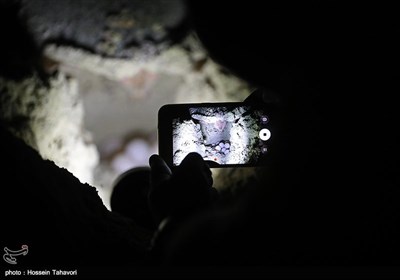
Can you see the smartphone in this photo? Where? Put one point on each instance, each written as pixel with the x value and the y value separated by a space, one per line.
pixel 232 134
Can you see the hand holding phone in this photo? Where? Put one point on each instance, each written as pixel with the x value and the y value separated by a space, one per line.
pixel 181 192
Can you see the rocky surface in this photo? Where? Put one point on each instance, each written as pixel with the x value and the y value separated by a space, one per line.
pixel 121 85
pixel 50 119
pixel 109 28
pixel 121 97
pixel 62 221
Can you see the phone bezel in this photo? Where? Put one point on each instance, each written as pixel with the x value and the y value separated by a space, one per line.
pixel 170 111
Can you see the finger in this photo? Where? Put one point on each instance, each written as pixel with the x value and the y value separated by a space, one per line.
pixel 160 172
pixel 194 167
pixel 192 160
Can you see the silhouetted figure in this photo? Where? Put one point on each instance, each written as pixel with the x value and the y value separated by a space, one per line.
pixel 329 196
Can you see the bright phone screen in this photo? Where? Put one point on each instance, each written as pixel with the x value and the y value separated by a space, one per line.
pixel 225 135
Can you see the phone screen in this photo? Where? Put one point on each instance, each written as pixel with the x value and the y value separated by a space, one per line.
pixel 226 134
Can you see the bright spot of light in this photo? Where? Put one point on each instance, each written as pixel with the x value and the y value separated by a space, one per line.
pixel 121 163
pixel 138 150
pixel 265 134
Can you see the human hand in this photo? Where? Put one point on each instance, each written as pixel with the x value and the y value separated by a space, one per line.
pixel 181 192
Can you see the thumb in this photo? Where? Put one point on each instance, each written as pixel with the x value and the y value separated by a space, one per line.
pixel 160 172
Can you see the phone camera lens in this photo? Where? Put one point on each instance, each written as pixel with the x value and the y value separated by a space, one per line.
pixel 264 134
pixel 264 119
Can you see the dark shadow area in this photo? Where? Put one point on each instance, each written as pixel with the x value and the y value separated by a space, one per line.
pixel 129 196
pixel 18 53
pixel 330 194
